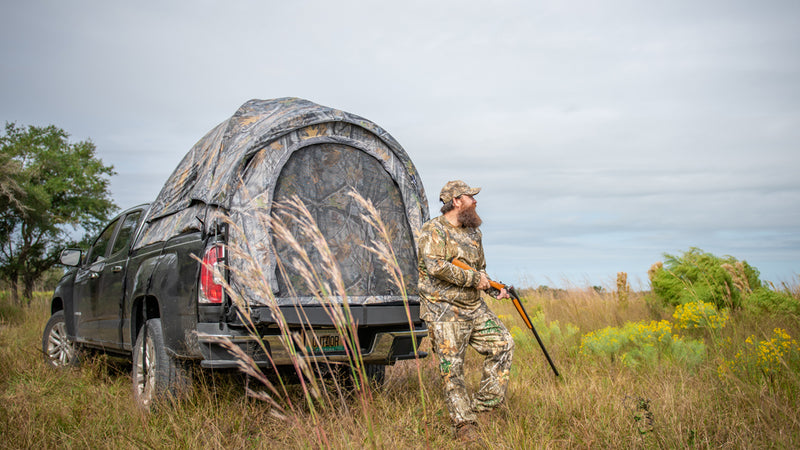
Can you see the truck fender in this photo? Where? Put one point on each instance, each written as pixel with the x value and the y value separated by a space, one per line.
pixel 139 291
pixel 173 284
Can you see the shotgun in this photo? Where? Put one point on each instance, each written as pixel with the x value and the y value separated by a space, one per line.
pixel 517 304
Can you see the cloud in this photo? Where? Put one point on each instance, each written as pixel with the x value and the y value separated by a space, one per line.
pixel 604 134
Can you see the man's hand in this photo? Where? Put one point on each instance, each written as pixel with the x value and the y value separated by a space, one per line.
pixel 484 283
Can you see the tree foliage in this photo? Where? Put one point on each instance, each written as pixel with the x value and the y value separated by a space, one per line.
pixel 700 276
pixel 50 190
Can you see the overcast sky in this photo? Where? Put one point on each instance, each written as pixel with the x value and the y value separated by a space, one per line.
pixel 603 133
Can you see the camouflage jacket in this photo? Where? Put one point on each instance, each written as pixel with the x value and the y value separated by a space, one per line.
pixel 447 292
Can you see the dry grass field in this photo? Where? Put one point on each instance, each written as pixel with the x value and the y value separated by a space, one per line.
pixel 632 376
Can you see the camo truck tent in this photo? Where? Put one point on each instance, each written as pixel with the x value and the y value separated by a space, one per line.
pixel 273 150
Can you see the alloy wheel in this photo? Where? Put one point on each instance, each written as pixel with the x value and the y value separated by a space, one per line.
pixel 60 349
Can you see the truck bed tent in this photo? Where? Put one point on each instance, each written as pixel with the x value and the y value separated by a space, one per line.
pixel 273 150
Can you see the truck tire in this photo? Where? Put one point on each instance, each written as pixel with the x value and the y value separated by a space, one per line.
pixel 156 375
pixel 376 373
pixel 58 348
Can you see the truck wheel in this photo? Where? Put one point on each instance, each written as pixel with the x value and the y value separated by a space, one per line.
pixel 376 373
pixel 58 348
pixel 156 375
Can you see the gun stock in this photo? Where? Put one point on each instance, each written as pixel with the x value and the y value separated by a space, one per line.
pixel 517 304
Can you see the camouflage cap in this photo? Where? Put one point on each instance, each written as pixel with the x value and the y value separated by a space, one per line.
pixel 455 188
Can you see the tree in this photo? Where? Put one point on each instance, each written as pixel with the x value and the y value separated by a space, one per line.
pixel 50 189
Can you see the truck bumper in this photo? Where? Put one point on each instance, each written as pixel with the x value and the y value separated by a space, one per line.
pixel 386 347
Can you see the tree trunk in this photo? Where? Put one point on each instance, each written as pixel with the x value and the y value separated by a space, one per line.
pixel 27 291
pixel 15 291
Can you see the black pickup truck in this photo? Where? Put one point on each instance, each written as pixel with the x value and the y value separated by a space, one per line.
pixel 163 282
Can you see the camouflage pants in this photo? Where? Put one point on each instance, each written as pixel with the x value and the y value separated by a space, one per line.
pixel 489 337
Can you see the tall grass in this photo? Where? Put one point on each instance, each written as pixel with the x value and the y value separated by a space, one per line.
pixel 324 384
pixel 597 402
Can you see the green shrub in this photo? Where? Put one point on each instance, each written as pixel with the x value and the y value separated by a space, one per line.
pixel 638 343
pixel 765 300
pixel 552 333
pixel 700 276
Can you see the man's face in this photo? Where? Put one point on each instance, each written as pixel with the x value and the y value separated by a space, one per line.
pixel 465 205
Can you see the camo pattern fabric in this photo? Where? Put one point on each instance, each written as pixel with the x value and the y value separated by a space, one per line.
pixel 243 168
pixel 323 176
pixel 449 292
pixel 211 172
pixel 457 317
pixel 456 188
pixel 489 337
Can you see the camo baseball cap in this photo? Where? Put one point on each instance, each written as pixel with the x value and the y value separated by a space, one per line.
pixel 455 188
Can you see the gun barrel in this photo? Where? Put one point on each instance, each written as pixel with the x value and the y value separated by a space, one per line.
pixel 529 324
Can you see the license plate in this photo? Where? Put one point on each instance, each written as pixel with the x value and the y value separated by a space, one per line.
pixel 325 342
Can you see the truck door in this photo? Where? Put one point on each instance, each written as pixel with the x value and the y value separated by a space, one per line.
pixel 87 287
pixel 100 284
pixel 111 294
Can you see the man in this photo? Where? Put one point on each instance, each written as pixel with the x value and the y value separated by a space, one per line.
pixel 452 307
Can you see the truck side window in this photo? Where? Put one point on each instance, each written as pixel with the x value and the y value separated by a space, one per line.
pixel 125 233
pixel 98 250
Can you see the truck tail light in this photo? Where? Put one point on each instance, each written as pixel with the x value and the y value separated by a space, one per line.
pixel 210 284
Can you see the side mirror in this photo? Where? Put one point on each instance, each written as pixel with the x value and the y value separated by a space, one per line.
pixel 71 257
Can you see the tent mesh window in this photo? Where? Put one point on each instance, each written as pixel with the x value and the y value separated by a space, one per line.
pixel 322 177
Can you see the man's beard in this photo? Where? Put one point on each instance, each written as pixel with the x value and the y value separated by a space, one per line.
pixel 469 218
